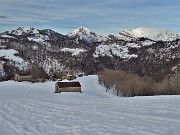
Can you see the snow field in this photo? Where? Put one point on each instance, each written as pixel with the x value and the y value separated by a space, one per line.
pixel 30 109
pixel 74 51
pixel 9 54
pixel 115 49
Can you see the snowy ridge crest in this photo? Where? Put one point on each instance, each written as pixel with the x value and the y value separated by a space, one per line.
pixel 153 34
pixel 32 34
pixel 24 30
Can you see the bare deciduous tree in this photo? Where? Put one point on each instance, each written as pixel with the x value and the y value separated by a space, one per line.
pixel 128 84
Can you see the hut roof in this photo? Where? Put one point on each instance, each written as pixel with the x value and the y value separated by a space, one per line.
pixel 68 84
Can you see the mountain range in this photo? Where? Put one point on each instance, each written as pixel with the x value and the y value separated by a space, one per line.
pixel 33 34
pixel 144 51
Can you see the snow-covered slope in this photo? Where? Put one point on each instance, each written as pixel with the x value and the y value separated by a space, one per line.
pixel 30 33
pixel 153 34
pixel 114 49
pixel 84 34
pixel 29 109
pixel 10 55
pixel 6 36
pixel 119 50
pixel 74 51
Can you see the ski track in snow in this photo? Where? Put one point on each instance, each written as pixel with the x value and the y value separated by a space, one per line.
pixel 34 109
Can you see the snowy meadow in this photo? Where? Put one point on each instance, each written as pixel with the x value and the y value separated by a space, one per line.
pixel 34 109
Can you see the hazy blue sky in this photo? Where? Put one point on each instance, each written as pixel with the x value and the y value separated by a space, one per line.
pixel 102 16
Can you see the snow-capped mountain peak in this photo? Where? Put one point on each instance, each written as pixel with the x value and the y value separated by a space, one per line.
pixel 150 33
pixel 86 35
pixel 82 29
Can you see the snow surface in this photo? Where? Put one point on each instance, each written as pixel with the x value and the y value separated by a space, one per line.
pixel 140 44
pixel 31 109
pixel 153 34
pixel 35 39
pixel 133 45
pixel 7 36
pixel 15 60
pixel 9 54
pixel 115 49
pixel 147 43
pixel 38 38
pixel 120 50
pixel 74 51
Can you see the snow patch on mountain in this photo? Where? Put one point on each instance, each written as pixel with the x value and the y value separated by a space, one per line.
pixel 133 45
pixel 86 35
pixel 140 44
pixel 153 34
pixel 74 51
pixel 10 55
pixel 113 49
pixel 147 43
pixel 7 36
pixel 119 50
pixel 38 38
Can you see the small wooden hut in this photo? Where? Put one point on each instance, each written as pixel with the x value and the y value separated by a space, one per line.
pixel 23 78
pixel 67 87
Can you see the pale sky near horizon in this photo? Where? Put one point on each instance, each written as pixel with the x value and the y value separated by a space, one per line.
pixel 101 16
